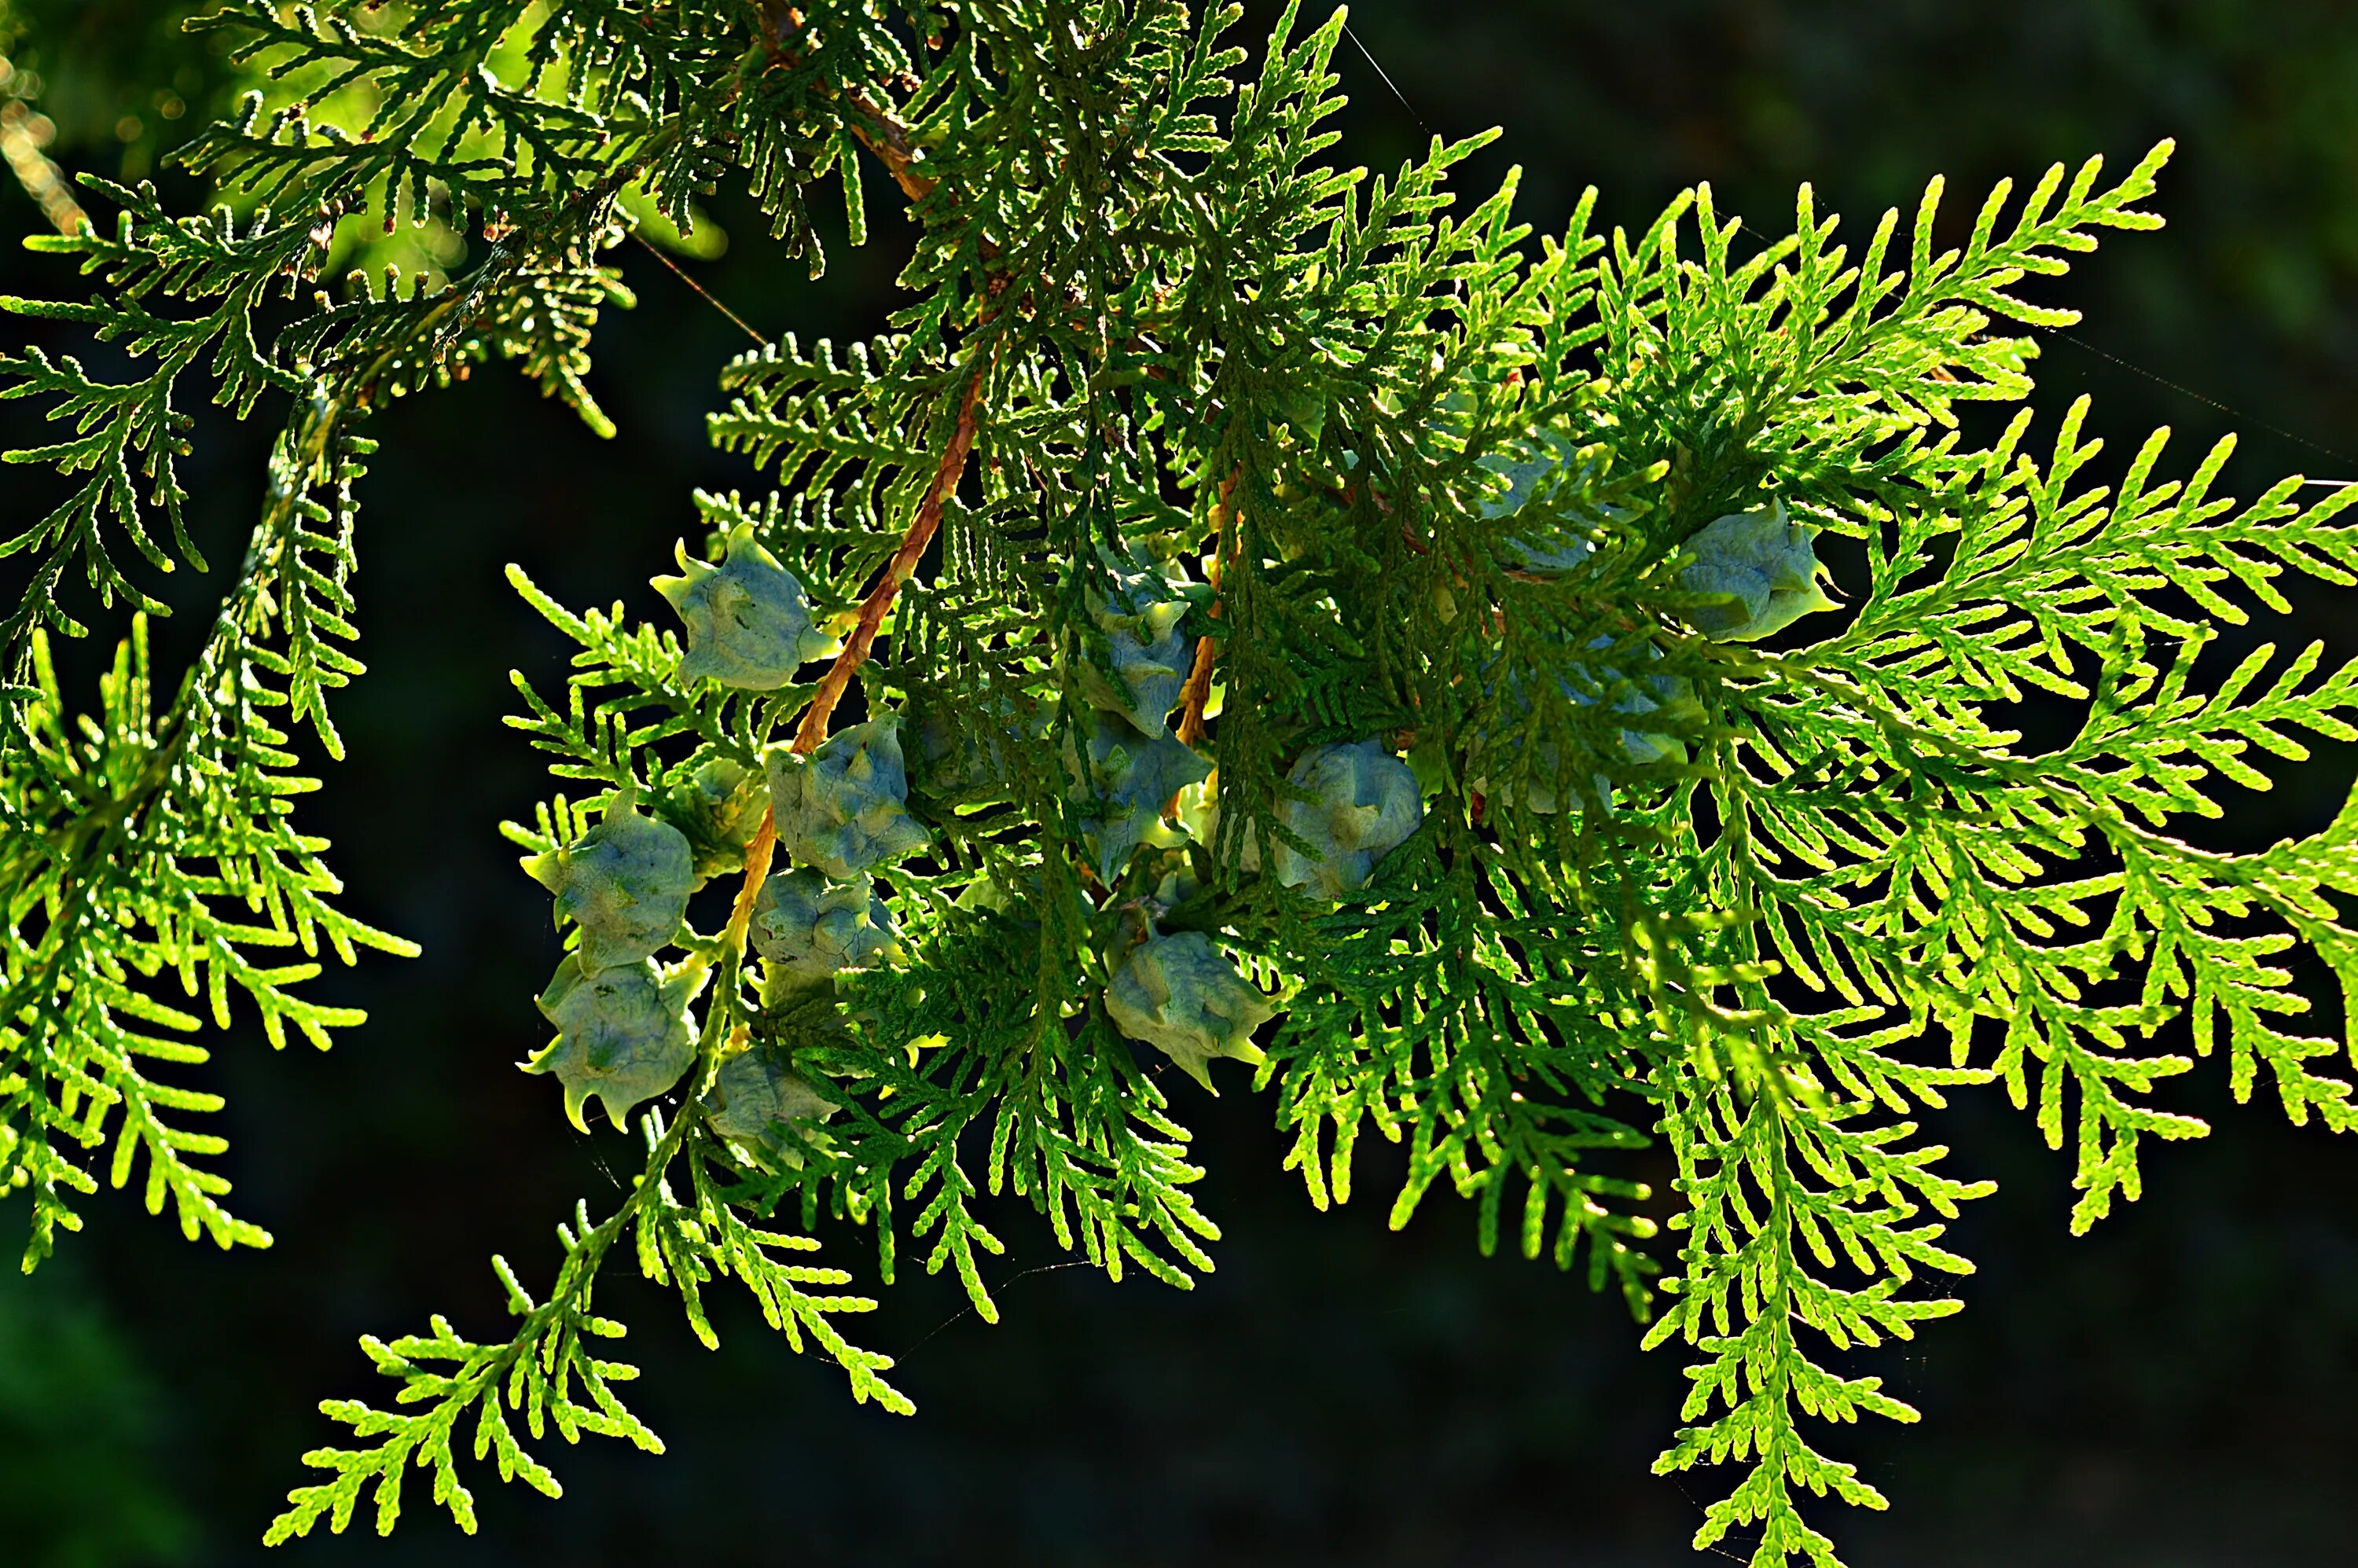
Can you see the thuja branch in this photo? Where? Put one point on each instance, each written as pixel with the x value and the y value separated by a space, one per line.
pixel 1527 848
pixel 537 1369
pixel 301 463
pixel 159 846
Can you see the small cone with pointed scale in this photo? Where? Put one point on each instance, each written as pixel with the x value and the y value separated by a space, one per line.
pixel 846 809
pixel 1181 996
pixel 1140 621
pixel 622 1033
pixel 1767 565
pixel 719 807
pixel 1364 805
pixel 625 883
pixel 807 928
pixel 753 1094
pixel 1133 777
pixel 748 620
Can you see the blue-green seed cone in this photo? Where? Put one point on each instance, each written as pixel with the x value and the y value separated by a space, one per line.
pixel 807 928
pixel 845 810
pixel 1365 805
pixel 754 1094
pixel 1131 778
pixel 625 883
pixel 624 1033
pixel 748 621
pixel 1181 996
pixel 1766 565
pixel 719 807
pixel 1139 619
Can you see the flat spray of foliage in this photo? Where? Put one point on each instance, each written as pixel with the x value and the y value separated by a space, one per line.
pixel 1241 617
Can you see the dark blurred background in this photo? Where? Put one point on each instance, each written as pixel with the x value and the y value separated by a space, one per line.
pixel 2173 1389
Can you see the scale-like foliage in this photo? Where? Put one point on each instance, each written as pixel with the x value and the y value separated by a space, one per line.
pixel 1238 616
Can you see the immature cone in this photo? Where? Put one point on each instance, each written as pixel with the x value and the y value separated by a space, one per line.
pixel 964 761
pixel 1523 466
pixel 1766 563
pixel 1365 805
pixel 624 1033
pixel 806 928
pixel 748 621
pixel 1672 696
pixel 1181 996
pixel 625 883
pixel 845 810
pixel 719 807
pixel 1133 777
pixel 1151 660
pixel 754 1093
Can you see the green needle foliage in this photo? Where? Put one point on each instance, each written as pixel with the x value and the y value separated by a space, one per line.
pixel 1239 616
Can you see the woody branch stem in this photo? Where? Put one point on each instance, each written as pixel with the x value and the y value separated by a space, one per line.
pixel 1198 691
pixel 947 474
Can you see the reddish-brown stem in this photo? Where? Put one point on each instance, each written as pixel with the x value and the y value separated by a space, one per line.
pixel 758 855
pixel 872 610
pixel 887 138
pixel 897 571
pixel 1198 691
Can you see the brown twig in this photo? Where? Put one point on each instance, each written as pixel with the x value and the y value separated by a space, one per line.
pixel 889 140
pixel 758 856
pixel 883 134
pixel 1198 691
pixel 897 571
pixel 872 610
pixel 888 137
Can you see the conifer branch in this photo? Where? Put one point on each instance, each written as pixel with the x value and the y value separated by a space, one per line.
pixel 1558 801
